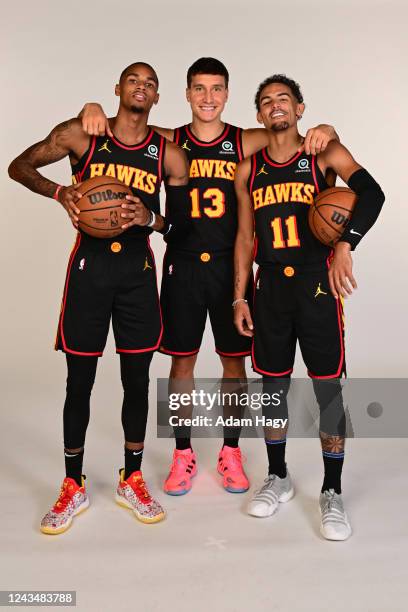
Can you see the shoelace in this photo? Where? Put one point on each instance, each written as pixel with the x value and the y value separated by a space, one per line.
pixel 267 482
pixel 333 505
pixel 140 488
pixel 235 460
pixel 179 462
pixel 63 499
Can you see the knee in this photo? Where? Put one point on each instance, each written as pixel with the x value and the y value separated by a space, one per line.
pixel 233 367
pixel 183 367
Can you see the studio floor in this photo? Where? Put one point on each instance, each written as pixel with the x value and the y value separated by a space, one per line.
pixel 207 554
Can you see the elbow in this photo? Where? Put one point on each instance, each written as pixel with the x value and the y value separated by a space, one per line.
pixel 12 170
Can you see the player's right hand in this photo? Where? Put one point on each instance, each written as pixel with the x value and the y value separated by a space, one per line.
pixel 243 320
pixel 94 120
pixel 68 196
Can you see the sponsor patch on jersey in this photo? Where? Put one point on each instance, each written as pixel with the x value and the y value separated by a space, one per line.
pixel 227 148
pixel 303 165
pixel 152 152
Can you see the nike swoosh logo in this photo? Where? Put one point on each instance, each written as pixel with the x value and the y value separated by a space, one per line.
pixel 354 232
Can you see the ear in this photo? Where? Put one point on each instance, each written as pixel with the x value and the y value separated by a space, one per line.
pixel 156 99
pixel 226 94
pixel 117 89
pixel 188 94
pixel 300 109
pixel 259 118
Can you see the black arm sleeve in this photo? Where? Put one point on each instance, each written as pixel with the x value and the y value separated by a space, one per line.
pixel 177 221
pixel 368 207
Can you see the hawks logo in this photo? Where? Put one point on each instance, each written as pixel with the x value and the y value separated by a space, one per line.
pixel 132 177
pixel 283 193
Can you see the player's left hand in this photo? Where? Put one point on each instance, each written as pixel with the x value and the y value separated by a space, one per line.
pixel 136 211
pixel 341 279
pixel 317 139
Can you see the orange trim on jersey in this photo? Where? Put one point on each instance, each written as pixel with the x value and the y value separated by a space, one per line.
pixel 88 159
pixel 208 144
pixel 161 160
pixel 135 147
pixel 239 144
pixel 253 170
pixel 276 164
pixel 314 173
pixel 176 136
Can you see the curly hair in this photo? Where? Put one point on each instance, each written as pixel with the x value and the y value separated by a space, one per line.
pixel 279 78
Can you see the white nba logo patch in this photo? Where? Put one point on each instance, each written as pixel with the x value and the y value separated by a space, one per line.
pixel 170 269
pixel 82 264
pixel 258 283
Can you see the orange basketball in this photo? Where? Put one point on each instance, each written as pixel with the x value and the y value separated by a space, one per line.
pixel 101 206
pixel 330 213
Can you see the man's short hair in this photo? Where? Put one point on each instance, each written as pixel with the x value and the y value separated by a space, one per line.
pixel 279 78
pixel 207 65
pixel 130 68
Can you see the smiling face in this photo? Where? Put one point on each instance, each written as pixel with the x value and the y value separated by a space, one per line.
pixel 207 96
pixel 137 89
pixel 278 107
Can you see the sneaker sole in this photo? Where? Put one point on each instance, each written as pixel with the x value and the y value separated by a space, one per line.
pixel 121 501
pixel 285 497
pixel 182 491
pixel 51 531
pixel 232 489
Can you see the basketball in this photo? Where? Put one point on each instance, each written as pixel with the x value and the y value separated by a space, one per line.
pixel 101 206
pixel 330 213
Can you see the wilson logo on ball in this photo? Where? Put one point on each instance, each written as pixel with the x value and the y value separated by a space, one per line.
pixel 106 196
pixel 338 218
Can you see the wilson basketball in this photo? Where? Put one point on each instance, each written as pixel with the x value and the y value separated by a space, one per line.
pixel 101 206
pixel 330 213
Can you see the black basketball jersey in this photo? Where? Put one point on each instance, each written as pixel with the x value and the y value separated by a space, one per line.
pixel 138 166
pixel 281 195
pixel 211 187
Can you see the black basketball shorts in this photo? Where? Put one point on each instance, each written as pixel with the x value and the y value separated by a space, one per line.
pixel 110 279
pixel 295 304
pixel 192 285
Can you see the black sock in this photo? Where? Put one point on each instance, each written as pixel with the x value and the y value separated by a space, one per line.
pixel 73 465
pixel 232 442
pixel 183 443
pixel 276 457
pixel 333 465
pixel 133 461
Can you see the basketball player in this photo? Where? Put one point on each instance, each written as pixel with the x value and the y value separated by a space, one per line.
pixel 198 274
pixel 296 296
pixel 110 278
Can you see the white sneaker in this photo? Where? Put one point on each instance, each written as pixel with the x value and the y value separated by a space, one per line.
pixel 265 501
pixel 334 521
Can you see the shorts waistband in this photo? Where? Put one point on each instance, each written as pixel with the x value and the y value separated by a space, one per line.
pixel 116 244
pixel 203 256
pixel 294 269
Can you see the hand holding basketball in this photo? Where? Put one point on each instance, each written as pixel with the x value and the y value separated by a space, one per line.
pixel 136 212
pixel 68 196
pixel 341 279
pixel 243 320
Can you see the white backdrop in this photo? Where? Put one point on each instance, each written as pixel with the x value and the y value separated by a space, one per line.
pixel 349 61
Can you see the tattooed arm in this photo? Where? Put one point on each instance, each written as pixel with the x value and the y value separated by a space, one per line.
pixel 65 139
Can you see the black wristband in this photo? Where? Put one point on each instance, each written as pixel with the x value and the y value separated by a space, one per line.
pixel 367 209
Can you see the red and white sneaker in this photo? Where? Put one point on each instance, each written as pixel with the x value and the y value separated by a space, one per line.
pixel 133 494
pixel 230 468
pixel 72 500
pixel 182 470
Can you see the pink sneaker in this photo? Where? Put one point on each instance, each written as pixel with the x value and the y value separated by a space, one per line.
pixel 230 468
pixel 182 470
